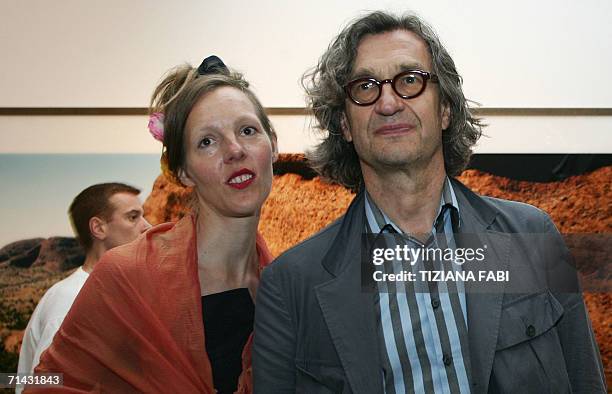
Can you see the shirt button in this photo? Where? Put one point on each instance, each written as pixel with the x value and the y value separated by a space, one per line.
pixel 435 303
pixel 531 331
pixel 447 359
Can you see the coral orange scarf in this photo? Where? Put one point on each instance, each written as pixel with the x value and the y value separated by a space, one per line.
pixel 136 325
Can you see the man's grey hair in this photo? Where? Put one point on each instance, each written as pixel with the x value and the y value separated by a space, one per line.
pixel 335 158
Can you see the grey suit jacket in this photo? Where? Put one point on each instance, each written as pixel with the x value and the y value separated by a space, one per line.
pixel 315 329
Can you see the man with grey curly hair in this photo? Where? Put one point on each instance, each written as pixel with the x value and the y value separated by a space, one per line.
pixel 326 85
pixel 397 130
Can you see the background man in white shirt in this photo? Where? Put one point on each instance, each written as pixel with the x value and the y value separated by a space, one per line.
pixel 103 216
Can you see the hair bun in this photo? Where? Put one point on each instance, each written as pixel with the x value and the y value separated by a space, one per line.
pixel 212 65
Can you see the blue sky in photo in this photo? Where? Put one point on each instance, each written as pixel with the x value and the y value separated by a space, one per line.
pixel 36 189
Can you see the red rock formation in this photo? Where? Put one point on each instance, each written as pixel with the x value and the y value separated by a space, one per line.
pixel 18 250
pixel 60 254
pixel 55 253
pixel 579 204
pixel 297 209
pixel 167 201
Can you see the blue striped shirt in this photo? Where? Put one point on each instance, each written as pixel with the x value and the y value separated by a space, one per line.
pixel 423 330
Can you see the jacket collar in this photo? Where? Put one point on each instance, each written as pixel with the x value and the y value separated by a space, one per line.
pixel 346 245
pixel 480 215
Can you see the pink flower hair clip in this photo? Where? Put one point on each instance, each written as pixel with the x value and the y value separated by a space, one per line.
pixel 156 126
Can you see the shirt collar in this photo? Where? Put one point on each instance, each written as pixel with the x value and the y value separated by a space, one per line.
pixel 378 221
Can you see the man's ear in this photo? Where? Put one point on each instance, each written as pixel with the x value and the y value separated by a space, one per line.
pixel 346 129
pixel 97 228
pixel 184 178
pixel 445 115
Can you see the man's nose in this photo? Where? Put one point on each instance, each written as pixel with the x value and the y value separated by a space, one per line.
pixel 389 103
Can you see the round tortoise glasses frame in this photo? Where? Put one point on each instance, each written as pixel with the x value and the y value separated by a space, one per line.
pixel 407 85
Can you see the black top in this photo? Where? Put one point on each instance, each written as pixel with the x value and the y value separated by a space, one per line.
pixel 228 322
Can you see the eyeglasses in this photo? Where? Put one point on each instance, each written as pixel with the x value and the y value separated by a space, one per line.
pixel 407 85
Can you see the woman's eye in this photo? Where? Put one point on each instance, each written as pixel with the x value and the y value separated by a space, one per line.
pixel 249 130
pixel 204 142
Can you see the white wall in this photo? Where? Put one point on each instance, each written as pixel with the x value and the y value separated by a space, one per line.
pixel 111 53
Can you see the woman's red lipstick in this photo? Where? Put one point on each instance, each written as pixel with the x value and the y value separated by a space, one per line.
pixel 241 179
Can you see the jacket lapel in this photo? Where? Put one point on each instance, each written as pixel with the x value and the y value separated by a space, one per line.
pixel 347 309
pixel 484 300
